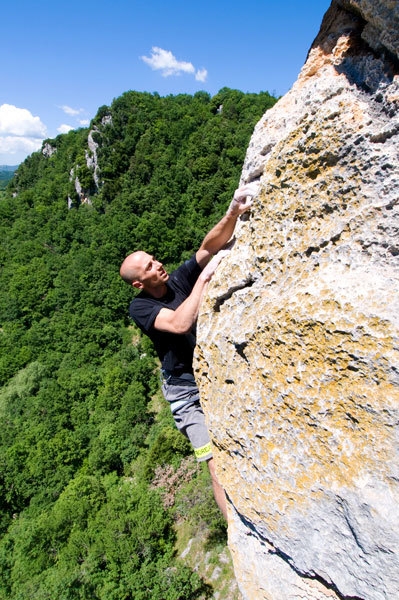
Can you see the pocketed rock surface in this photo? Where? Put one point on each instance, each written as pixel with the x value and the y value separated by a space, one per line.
pixel 297 358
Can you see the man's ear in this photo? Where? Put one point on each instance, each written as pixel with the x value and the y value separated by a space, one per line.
pixel 137 284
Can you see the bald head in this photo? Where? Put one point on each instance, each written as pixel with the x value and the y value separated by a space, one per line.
pixel 143 271
pixel 131 267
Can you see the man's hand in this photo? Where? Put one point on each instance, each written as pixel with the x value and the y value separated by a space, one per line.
pixel 221 233
pixel 242 199
pixel 209 270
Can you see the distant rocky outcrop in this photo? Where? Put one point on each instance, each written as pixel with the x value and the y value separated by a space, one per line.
pixel 83 194
pixel 91 157
pixel 297 357
pixel 94 140
pixel 48 149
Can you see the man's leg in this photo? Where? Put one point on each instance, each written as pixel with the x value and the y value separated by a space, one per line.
pixel 218 491
pixel 190 421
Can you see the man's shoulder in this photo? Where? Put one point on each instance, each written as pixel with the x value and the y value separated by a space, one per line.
pixel 143 310
pixel 142 301
pixel 189 270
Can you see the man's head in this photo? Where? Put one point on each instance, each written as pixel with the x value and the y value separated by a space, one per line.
pixel 144 272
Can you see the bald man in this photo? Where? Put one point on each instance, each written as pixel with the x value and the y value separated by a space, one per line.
pixel 166 309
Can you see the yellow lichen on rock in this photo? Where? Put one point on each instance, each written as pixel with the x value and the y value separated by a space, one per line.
pixel 298 354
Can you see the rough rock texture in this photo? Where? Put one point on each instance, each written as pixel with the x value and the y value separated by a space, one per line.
pixel 92 158
pixel 297 356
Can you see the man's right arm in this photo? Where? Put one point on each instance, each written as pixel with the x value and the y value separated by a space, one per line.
pixel 182 319
pixel 221 233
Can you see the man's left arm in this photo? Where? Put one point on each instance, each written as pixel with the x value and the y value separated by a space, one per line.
pixel 219 235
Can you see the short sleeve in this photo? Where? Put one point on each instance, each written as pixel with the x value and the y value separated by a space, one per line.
pixel 144 311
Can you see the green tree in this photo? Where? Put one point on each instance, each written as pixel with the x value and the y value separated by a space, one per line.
pixel 83 427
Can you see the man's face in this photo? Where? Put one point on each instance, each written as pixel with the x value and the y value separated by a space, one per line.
pixel 151 272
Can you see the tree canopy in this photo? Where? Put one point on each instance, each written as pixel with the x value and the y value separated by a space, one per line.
pixel 84 430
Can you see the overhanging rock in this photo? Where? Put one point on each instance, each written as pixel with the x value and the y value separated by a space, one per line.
pixel 297 358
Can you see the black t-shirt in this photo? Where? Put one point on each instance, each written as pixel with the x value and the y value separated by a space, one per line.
pixel 175 351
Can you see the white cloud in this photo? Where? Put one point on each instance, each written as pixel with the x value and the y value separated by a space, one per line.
pixel 18 144
pixel 64 128
pixel 167 63
pixel 71 111
pixel 20 131
pixel 21 122
pixel 201 75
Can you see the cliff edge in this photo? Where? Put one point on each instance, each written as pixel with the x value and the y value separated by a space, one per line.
pixel 297 358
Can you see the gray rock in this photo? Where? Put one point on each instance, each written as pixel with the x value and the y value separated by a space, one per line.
pixel 297 357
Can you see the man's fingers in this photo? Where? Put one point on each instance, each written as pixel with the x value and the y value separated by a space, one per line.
pixel 211 267
pixel 221 254
pixel 250 189
pixel 242 199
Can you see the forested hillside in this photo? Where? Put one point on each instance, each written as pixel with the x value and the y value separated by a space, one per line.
pixel 86 442
pixel 6 174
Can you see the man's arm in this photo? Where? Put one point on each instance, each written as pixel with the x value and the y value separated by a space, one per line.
pixel 183 318
pixel 223 231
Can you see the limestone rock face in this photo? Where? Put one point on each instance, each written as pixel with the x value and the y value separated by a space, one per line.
pixel 297 358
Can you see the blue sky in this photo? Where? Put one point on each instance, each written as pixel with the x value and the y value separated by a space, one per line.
pixel 61 61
